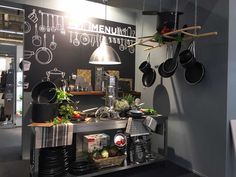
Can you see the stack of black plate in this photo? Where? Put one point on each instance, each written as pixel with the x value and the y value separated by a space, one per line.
pixel 82 166
pixel 53 162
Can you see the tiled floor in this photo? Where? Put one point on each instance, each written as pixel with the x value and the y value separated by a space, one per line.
pixel 12 166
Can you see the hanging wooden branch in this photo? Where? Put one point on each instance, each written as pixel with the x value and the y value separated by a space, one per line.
pixel 159 38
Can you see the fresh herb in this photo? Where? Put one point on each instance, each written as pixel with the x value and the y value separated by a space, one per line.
pixel 129 98
pixel 63 96
pixel 66 111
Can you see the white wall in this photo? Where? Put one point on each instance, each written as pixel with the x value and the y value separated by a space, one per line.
pixel 231 102
pixel 84 8
pixel 197 119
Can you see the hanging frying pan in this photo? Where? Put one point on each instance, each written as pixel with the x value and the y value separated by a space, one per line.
pixel 149 78
pixel 161 100
pixel 195 73
pixel 43 55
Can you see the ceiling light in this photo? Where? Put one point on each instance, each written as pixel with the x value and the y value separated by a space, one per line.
pixel 105 54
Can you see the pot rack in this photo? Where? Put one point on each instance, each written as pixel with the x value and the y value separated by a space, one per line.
pixel 151 43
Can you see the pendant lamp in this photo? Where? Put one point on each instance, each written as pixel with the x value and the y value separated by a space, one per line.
pixel 105 54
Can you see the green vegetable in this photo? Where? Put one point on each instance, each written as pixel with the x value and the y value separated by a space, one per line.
pixel 149 111
pixel 121 105
pixel 105 153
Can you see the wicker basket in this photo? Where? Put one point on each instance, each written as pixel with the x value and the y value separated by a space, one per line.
pixel 110 161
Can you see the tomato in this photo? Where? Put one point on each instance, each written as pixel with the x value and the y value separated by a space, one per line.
pixel 77 116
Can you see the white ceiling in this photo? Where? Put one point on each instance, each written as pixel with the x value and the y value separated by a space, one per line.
pixel 153 5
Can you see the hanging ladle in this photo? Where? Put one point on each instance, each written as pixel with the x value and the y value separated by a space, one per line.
pixel 42 27
pixel 53 44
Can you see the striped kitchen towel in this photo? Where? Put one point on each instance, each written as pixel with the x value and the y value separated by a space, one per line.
pixel 57 135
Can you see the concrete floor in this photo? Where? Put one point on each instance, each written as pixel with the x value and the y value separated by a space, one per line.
pixel 11 164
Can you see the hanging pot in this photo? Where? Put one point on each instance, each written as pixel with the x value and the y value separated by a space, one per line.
pixel 187 57
pixel 44 92
pixel 149 77
pixel 195 73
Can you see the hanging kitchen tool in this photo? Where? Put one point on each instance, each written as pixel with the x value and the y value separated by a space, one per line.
pixel 48 23
pixel 36 39
pixel 84 38
pixel 33 16
pixel 121 46
pixel 171 35
pixel 53 28
pixel 149 75
pixel 53 44
pixel 27 27
pixel 76 41
pixel 186 57
pixel 28 54
pixel 43 51
pixel 161 99
pixel 131 49
pixel 58 25
pixel 195 70
pixel 71 36
pixel 42 27
pixel 63 31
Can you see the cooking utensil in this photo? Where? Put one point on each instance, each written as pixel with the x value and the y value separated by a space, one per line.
pixel 62 26
pixel 43 51
pixel 53 44
pixel 28 54
pixel 85 39
pixel 195 73
pixel 186 57
pixel 170 65
pixel 58 26
pixel 33 16
pixel 42 27
pixel 44 92
pixel 145 66
pixel 27 27
pixel 76 41
pixel 36 39
pixel 161 100
pixel 71 36
pixel 114 40
pixel 53 28
pixel 110 39
pixel 121 46
pixel 48 24
pixel 149 78
pixel 92 40
pixel 131 49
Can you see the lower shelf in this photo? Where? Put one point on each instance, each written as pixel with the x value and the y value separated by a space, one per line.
pixel 159 158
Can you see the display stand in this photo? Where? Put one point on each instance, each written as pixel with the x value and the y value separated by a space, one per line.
pixel 83 128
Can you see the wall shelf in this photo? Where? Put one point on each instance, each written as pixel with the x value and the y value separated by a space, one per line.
pixel 100 93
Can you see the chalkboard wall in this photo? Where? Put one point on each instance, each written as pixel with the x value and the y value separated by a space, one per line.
pixel 67 57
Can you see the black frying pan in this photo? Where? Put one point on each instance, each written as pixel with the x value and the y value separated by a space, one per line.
pixel 195 73
pixel 149 78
